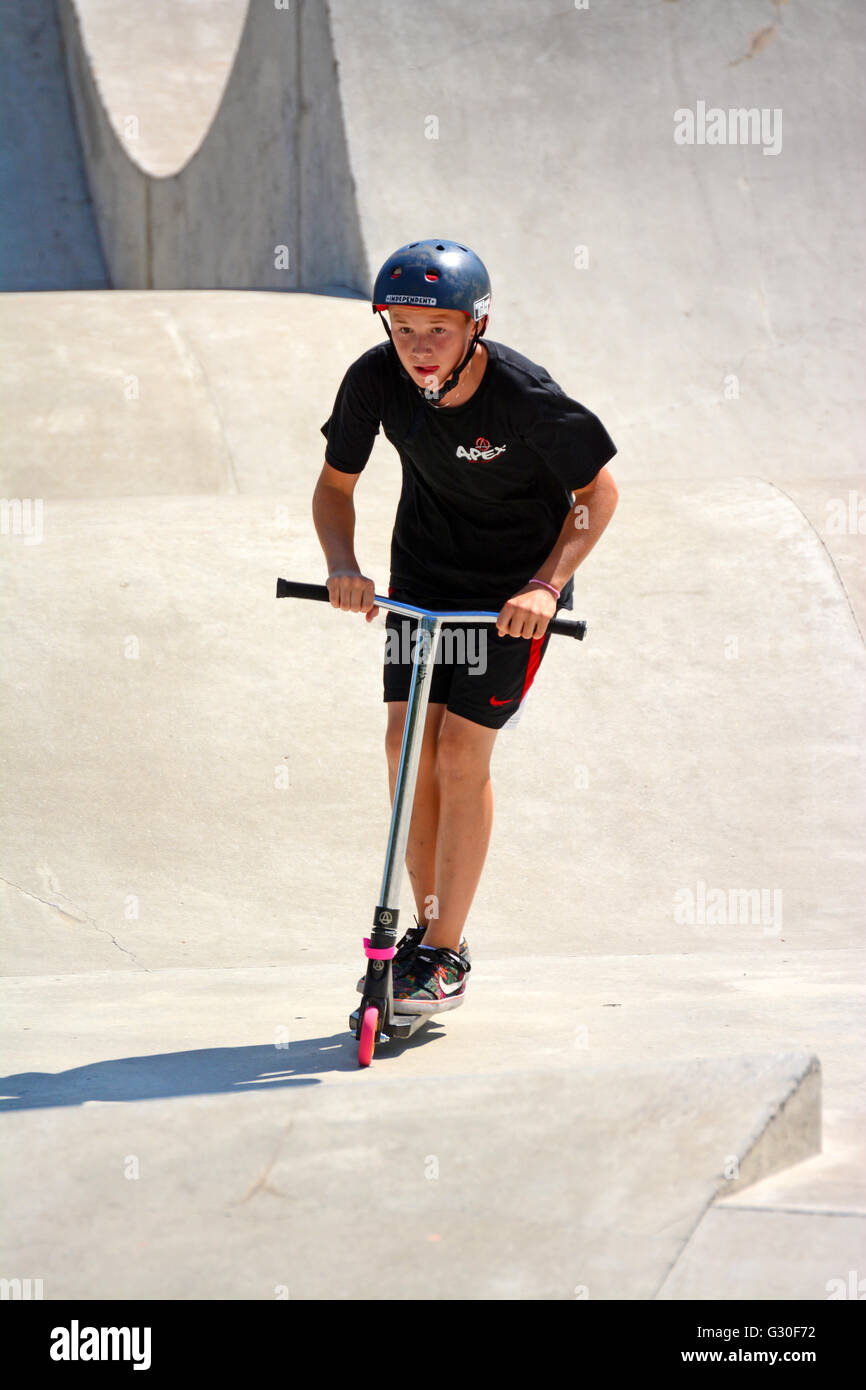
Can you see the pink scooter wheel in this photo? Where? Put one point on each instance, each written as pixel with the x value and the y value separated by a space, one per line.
pixel 367 1041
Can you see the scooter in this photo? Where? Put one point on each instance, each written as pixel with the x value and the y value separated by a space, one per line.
pixel 375 1020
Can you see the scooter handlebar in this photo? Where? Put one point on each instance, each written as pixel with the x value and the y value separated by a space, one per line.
pixel 290 588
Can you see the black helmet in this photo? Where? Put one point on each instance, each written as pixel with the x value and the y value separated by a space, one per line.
pixel 440 275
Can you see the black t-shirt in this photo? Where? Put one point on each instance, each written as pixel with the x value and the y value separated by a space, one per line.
pixel 486 485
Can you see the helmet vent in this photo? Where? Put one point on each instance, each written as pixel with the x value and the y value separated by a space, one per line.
pixel 431 275
pixel 396 272
pixel 440 247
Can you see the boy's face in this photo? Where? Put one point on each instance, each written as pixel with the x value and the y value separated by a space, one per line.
pixel 430 342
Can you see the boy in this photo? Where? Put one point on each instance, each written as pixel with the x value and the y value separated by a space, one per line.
pixel 505 492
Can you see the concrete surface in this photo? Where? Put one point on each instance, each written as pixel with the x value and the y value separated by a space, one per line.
pixel 299 1187
pixel 197 805
pixel 139 394
pixel 48 235
pixel 544 136
pixel 140 630
pixel 230 883
pixel 265 200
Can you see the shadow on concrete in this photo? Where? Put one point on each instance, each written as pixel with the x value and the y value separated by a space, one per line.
pixel 209 1071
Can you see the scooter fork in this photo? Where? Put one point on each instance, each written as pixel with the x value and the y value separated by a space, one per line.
pixel 375 1020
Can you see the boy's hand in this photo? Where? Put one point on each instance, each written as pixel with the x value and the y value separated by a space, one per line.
pixel 352 592
pixel 527 613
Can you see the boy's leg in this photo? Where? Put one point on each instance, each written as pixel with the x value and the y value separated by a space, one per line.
pixel 452 816
pixel 421 845
pixel 491 689
pixel 465 821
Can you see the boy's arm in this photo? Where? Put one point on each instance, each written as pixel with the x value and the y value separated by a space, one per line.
pixel 334 520
pixel 529 611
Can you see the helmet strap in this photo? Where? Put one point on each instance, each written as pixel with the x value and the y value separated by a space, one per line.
pixel 435 396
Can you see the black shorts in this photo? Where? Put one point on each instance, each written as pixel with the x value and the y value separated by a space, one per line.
pixel 477 673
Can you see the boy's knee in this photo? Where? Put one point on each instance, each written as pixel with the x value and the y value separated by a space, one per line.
pixel 430 742
pixel 460 754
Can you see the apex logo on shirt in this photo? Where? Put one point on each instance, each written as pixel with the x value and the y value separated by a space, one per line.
pixel 482 449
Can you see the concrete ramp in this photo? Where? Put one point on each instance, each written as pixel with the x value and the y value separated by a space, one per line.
pixel 137 394
pixel 48 233
pixel 706 298
pixel 173 737
pixel 513 1186
pixel 197 824
pixel 683 288
pixel 266 199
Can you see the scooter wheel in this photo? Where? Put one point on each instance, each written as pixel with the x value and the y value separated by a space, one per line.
pixel 368 1036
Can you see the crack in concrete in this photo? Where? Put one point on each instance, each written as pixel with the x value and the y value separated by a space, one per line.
pixel 759 40
pixel 36 897
pixel 82 919
pixel 827 551
pixel 261 1184
pixel 185 347
pixel 791 1211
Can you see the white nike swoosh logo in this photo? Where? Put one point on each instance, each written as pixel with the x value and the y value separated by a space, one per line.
pixel 449 989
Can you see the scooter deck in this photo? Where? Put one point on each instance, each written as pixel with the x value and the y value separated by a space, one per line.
pixel 397 1026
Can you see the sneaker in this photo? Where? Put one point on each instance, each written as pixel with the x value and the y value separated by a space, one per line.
pixel 406 948
pixel 433 980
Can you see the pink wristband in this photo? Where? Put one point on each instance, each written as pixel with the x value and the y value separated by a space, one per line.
pixel 555 592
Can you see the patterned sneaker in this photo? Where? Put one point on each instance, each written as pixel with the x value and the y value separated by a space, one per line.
pixel 406 948
pixel 433 980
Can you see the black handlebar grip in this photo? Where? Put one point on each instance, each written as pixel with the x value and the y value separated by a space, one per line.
pixel 287 588
pixel 576 629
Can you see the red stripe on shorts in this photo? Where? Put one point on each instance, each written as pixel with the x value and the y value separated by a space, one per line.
pixel 532 665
